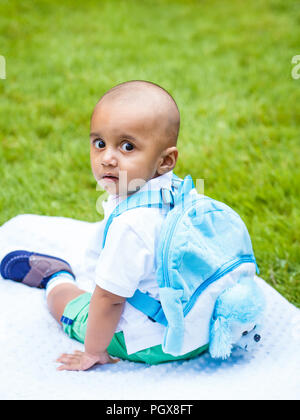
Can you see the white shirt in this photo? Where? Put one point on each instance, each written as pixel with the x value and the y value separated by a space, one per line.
pixel 128 263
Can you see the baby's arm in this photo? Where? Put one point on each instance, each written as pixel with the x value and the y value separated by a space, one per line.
pixel 104 314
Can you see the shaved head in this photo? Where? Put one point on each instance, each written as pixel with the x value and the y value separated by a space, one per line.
pixel 151 101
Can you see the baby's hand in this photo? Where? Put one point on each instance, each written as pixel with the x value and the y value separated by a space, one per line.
pixel 82 361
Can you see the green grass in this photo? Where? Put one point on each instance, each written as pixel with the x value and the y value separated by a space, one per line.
pixel 228 65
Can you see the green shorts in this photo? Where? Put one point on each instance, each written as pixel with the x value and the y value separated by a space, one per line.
pixel 74 321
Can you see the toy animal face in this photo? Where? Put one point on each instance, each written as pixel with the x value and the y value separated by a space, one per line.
pixel 230 325
pixel 245 336
pixel 227 333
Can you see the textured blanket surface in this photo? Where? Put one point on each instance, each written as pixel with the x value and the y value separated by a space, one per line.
pixel 30 339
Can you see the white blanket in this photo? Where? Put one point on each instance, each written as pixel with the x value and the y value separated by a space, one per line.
pixel 30 339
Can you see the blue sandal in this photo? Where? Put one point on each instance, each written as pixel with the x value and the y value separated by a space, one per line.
pixel 32 268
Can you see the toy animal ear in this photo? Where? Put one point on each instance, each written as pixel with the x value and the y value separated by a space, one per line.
pixel 220 342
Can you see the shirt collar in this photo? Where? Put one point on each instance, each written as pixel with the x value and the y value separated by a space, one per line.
pixel 154 184
pixel 162 181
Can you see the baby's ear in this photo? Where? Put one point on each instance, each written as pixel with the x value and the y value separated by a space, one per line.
pixel 168 160
pixel 220 340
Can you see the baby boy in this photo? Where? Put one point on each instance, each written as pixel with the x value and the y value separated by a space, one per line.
pixel 134 131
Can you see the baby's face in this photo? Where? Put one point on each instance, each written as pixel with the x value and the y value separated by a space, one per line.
pixel 125 151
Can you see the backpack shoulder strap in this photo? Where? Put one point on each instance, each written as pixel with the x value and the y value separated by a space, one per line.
pixel 158 198
pixel 149 306
pixel 139 199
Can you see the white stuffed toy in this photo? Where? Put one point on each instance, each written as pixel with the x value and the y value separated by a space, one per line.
pixel 236 318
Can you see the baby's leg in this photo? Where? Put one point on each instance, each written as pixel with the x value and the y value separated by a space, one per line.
pixel 43 271
pixel 59 296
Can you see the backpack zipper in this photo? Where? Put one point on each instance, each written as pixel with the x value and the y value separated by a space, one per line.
pixel 169 238
pixel 216 276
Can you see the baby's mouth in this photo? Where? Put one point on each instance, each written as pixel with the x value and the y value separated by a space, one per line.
pixel 111 178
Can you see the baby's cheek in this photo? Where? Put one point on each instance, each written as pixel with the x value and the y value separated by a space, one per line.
pixel 135 183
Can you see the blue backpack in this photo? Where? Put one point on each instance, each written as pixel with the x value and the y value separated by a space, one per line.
pixel 202 240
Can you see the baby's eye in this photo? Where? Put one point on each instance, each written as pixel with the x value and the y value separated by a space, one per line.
pixel 127 147
pixel 99 144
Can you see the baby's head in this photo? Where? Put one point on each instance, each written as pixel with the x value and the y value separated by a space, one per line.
pixel 134 131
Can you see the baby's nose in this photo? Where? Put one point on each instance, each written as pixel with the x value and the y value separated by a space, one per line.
pixel 257 338
pixel 109 158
